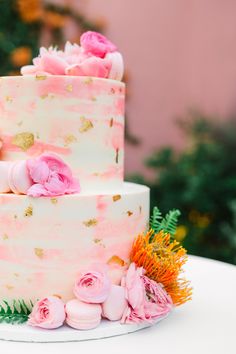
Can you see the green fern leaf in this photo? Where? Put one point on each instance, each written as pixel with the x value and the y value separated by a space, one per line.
pixel 16 313
pixel 167 224
pixel 155 219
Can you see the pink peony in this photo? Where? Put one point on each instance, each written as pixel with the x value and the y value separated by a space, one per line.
pixel 48 313
pixel 93 286
pixel 96 44
pixel 147 300
pixel 51 177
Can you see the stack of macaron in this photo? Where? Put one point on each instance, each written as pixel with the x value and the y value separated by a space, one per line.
pixel 14 177
pixel 95 298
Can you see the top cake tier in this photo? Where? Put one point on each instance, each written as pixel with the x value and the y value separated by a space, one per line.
pixel 79 118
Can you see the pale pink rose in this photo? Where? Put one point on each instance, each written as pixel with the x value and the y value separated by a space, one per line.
pixel 91 66
pixel 48 313
pixel 96 44
pixel 93 286
pixel 147 300
pixel 51 177
pixel 114 306
pixel 116 71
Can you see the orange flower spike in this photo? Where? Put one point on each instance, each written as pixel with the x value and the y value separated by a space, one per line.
pixel 162 261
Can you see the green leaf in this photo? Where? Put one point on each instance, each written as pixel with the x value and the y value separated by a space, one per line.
pixel 167 224
pixel 16 313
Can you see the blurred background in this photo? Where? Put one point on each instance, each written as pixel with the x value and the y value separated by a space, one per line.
pixel 180 59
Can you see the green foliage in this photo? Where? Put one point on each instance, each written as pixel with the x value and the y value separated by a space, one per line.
pixel 168 223
pixel 201 181
pixel 16 313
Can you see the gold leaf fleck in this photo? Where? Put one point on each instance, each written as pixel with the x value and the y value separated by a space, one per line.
pixel 16 275
pixel 129 213
pixel 15 216
pixel 39 252
pixel 54 200
pixel 5 237
pixel 23 140
pixel 113 90
pixel 97 240
pixel 140 209
pixel 117 155
pixel 69 139
pixel 9 99
pixel 9 287
pixel 40 77
pixel 111 122
pixel 91 222
pixel 88 81
pixel 20 123
pixel 44 96
pixel 28 211
pixel 116 197
pixel 93 98
pixel 69 88
pixel 117 260
pixel 56 295
pixel 86 125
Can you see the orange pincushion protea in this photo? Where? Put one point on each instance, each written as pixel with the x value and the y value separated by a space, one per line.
pixel 163 259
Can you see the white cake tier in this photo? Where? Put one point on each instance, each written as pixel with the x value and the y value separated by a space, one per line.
pixel 79 118
pixel 45 242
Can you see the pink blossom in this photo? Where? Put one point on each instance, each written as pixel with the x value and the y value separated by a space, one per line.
pixel 93 286
pixel 96 44
pixel 147 300
pixel 91 66
pixel 51 177
pixel 48 313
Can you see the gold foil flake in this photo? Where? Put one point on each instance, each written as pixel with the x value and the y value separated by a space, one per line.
pixel 19 123
pixel 129 213
pixel 15 216
pixel 9 287
pixel 28 211
pixel 117 156
pixel 86 125
pixel 40 77
pixel 5 237
pixel 88 81
pixel 44 96
pixel 39 252
pixel 54 201
pixel 116 197
pixel 91 222
pixel 113 91
pixel 56 295
pixel 140 209
pixel 97 240
pixel 93 98
pixel 9 99
pixel 69 88
pixel 116 260
pixel 69 139
pixel 111 122
pixel 23 140
pixel 16 275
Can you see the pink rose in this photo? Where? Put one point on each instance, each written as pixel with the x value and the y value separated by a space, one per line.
pixel 91 66
pixel 48 313
pixel 147 300
pixel 51 177
pixel 96 44
pixel 93 286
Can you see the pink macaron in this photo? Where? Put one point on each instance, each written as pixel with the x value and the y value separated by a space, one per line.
pixel 4 169
pixel 80 315
pixel 18 177
pixel 116 303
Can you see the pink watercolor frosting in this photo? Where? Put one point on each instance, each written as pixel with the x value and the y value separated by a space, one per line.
pixel 93 286
pixel 48 313
pixel 51 177
pixel 97 57
pixel 147 300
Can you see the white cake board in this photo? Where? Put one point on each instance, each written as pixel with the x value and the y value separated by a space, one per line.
pixel 24 333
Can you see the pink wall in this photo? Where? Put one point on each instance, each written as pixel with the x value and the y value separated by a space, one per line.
pixel 179 54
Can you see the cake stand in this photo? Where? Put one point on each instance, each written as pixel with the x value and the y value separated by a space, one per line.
pixel 25 333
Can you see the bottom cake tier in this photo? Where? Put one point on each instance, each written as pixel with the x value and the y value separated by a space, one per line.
pixel 46 242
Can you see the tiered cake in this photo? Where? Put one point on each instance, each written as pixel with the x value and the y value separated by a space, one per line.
pixel 46 241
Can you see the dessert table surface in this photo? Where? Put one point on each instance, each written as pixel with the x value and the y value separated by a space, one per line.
pixel 207 324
